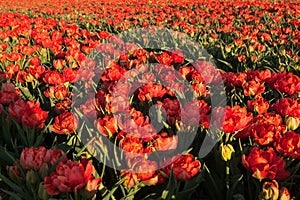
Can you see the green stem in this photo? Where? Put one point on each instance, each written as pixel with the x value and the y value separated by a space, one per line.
pixel 227 181
pixel 227 175
pixel 76 196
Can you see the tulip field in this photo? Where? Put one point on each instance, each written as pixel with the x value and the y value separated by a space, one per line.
pixel 149 99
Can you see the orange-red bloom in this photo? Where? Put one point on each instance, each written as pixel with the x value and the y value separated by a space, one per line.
pixel 265 164
pixel 259 105
pixel 70 177
pixel 29 113
pixel 164 142
pixel 107 125
pixel 65 123
pixel 184 167
pixel 236 119
pixel 287 107
pixel 288 144
pixel 285 82
pixel 8 94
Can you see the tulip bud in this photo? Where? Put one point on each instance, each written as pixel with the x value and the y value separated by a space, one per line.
pixel 210 39
pixel 251 49
pixel 59 64
pixel 29 78
pixel 226 151
pixel 43 194
pixel 43 171
pixel 74 65
pixel 282 68
pixel 87 25
pixel 14 174
pixel 284 194
pixel 228 48
pixel 31 177
pixel 251 91
pixel 269 191
pixel 43 52
pixel 292 123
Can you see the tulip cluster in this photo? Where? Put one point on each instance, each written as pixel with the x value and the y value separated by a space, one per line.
pixel 35 166
pixel 118 99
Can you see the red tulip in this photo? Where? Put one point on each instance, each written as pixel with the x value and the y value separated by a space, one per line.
pixel 65 123
pixel 265 164
pixel 184 167
pixel 70 177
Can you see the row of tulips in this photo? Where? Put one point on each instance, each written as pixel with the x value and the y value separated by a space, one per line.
pixel 74 79
pixel 240 35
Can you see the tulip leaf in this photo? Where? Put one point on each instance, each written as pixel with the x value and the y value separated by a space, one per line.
pixel 190 186
pixel 214 190
pixel 170 190
pixel 13 194
pixel 112 191
pixel 11 184
pixel 25 91
pixel 238 197
pixel 226 63
pixel 233 187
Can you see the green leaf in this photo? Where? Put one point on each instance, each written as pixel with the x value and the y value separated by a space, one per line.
pixel 111 192
pixel 12 195
pixel 25 91
pixel 226 63
pixel 6 158
pixel 238 197
pixel 39 139
pixel 233 187
pixel 11 184
pixel 212 187
pixel 190 186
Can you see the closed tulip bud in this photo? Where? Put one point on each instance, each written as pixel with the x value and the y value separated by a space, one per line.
pixel 43 194
pixel 31 177
pixel 228 48
pixel 251 49
pixel 43 52
pixel 292 123
pixel 226 151
pixel 281 68
pixel 270 191
pixel 43 171
pixel 29 78
pixel 14 174
pixel 210 39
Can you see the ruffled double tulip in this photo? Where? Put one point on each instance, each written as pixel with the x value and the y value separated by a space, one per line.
pixel 265 164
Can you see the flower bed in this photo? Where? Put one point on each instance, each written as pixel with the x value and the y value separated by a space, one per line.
pixel 149 100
